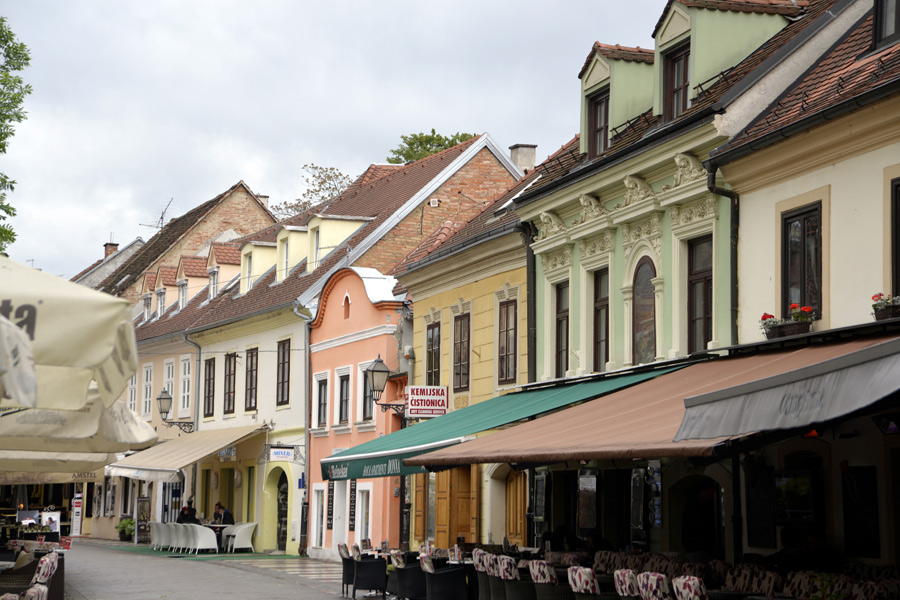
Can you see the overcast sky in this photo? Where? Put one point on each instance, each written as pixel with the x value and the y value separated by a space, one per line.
pixel 136 102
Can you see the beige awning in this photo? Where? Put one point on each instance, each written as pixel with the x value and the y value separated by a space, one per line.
pixel 639 422
pixel 14 478
pixel 53 462
pixel 164 461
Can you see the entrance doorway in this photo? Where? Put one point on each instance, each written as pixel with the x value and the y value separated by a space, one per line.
pixel 282 514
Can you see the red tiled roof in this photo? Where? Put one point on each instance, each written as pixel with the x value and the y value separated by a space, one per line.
pixel 150 281
pixel 617 52
pixel 378 199
pixel 167 275
pixel 175 321
pixel 227 253
pixel 194 266
pixel 373 172
pixel 850 70
pixel 789 8
pixel 123 277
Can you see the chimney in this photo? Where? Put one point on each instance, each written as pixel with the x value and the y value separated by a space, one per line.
pixel 263 199
pixel 523 156
pixel 110 248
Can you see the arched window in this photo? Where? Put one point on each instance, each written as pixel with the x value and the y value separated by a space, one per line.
pixel 644 312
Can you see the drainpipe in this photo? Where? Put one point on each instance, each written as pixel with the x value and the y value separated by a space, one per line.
pixel 528 232
pixel 187 340
pixel 306 316
pixel 735 212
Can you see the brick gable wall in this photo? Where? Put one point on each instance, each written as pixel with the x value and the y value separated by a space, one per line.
pixel 238 212
pixel 482 179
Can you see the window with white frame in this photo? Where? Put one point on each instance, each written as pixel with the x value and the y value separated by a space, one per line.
pixel 147 395
pixel 319 505
pixel 363 511
pixel 286 263
pixel 366 404
pixel 148 302
pixel 342 396
pixel 213 283
pixel 160 303
pixel 185 388
pixel 169 376
pixel 320 405
pixel 182 294
pixel 132 393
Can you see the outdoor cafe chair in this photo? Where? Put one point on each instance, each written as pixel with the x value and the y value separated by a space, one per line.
pixel 446 584
pixel 369 573
pixel 182 539
pixel 516 587
pixel 479 560
pixel 654 586
pixel 165 536
pixel 626 584
pixel 689 588
pixel 243 537
pixel 410 578
pixel 204 538
pixel 498 588
pixel 348 568
pixel 546 585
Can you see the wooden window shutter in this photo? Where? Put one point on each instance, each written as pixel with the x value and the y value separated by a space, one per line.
pixel 442 510
pixel 474 495
pixel 420 500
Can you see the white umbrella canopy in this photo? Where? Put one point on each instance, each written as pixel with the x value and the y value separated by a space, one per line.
pixel 17 379
pixel 53 462
pixel 93 428
pixel 78 335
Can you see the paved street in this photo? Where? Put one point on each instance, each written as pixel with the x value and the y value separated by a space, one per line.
pixel 97 570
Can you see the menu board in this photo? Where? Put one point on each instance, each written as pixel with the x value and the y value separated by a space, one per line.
pixel 352 508
pixel 330 518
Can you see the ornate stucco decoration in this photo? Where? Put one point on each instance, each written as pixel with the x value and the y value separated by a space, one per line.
pixel 590 209
pixel 689 168
pixel 601 244
pixel 549 225
pixel 557 260
pixel 636 190
pixel 648 231
pixel 705 209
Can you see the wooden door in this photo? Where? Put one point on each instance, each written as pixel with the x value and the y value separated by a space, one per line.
pixel 474 535
pixel 442 511
pixel 420 500
pixel 516 487
pixel 461 501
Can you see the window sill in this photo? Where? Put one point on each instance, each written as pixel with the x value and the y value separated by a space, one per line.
pixel 365 426
pixel 283 407
pixel 319 432
pixel 342 429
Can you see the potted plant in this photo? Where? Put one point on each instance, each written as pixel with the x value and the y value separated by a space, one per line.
pixel 885 306
pixel 125 527
pixel 799 321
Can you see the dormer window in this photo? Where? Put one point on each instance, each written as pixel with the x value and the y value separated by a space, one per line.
pixel 316 251
pixel 677 82
pixel 598 123
pixel 887 22
pixel 160 303
pixel 148 300
pixel 213 283
pixel 285 262
pixel 182 295
pixel 249 270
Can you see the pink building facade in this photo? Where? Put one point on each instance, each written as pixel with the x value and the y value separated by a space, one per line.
pixel 358 319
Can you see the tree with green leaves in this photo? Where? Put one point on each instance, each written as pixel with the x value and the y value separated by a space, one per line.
pixel 419 145
pixel 322 183
pixel 12 95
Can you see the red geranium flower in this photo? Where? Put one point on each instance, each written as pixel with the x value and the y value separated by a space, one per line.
pixel 877 296
pixel 794 306
pixel 766 316
pixel 806 309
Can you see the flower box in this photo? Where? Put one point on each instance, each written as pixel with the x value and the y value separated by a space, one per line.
pixel 888 312
pixel 786 329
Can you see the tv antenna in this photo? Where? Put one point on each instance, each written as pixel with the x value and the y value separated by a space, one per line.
pixel 162 218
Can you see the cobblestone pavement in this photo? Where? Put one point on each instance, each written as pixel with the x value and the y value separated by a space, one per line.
pixel 106 570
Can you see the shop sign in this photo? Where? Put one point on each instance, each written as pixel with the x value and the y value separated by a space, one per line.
pixel 425 401
pixel 281 453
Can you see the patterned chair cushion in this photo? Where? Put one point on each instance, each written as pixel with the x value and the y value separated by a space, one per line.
pixel 441 553
pixel 523 563
pixel 655 563
pixel 343 550
pixel 891 585
pixel 603 561
pixel 626 583
pixel 618 561
pixel 479 559
pixel 689 587
pixel 765 583
pixel 46 568
pixel 542 572
pixel 635 562
pixel 507 568
pixel 582 580
pixel 654 586
pixel 693 569
pixel 739 579
pixel 9 596
pixel 797 584
pixel 427 563
pixel 863 590
pixel 38 591
pixel 493 565
pixel 398 559
pixel 718 569
pixel 357 555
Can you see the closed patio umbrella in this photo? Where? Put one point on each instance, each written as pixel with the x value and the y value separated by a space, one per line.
pixel 77 335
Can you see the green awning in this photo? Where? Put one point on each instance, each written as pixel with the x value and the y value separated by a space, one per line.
pixel 383 457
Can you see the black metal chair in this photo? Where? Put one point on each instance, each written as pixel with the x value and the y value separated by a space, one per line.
pixel 411 582
pixel 446 584
pixel 348 568
pixel 370 574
